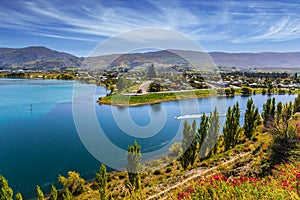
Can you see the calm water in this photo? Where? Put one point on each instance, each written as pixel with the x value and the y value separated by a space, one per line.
pixel 39 139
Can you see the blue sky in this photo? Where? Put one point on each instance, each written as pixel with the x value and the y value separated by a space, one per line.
pixel 79 26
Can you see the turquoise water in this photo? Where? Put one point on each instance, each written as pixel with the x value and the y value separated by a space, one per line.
pixel 39 139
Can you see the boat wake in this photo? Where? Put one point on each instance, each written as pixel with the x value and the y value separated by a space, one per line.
pixel 197 116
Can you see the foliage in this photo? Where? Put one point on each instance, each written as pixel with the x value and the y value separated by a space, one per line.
pixel 67 195
pixel 101 179
pixel 175 150
pixel 284 184
pixel 251 119
pixel 74 183
pixel 6 192
pixel 40 193
pixel 133 166
pixel 151 72
pixel 211 140
pixel 53 193
pixel 189 144
pixel 19 196
pixel 201 135
pixel 297 104
pixel 231 129
pixel 268 113
pixel 246 90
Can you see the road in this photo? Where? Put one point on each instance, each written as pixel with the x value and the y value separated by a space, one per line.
pixel 144 87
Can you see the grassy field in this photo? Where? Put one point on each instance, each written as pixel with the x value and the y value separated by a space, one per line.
pixel 120 99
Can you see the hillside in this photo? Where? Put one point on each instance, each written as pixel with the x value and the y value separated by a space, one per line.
pixel 36 58
pixel 44 58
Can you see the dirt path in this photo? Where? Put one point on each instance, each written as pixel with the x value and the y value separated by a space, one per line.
pixel 194 174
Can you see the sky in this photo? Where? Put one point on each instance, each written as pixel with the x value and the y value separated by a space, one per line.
pixel 78 26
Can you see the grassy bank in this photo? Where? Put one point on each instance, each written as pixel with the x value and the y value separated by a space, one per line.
pixel 151 98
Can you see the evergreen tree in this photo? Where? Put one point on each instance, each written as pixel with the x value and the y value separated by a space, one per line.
pixel 201 135
pixel 251 119
pixel 133 166
pixel 53 193
pixel 101 179
pixel 19 196
pixel 232 127
pixel 40 193
pixel 6 193
pixel 213 132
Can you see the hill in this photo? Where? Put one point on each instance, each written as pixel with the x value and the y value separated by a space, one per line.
pixel 44 58
pixel 36 58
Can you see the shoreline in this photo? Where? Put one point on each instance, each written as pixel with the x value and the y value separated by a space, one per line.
pixel 196 94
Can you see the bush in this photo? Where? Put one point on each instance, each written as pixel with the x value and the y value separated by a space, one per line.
pixel 168 170
pixel 157 172
pixel 74 183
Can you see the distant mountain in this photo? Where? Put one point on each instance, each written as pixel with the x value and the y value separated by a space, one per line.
pixel 36 58
pixel 182 58
pixel 44 58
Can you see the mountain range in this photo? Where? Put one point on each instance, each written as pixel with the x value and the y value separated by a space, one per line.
pixel 44 58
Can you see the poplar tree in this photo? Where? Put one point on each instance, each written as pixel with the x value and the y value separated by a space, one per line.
pixel 40 193
pixel 213 132
pixel 189 145
pixel 201 135
pixel 186 141
pixel 194 144
pixel 251 119
pixel 101 179
pixel 232 127
pixel 278 112
pixel 67 195
pixel 6 192
pixel 268 113
pixel 133 166
pixel 53 193
pixel 297 104
pixel 19 196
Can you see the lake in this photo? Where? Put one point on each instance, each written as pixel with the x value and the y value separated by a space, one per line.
pixel 46 129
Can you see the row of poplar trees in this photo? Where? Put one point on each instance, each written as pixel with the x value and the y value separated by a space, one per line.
pixel 203 141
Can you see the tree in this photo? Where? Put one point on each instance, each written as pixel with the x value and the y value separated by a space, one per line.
pixel 201 135
pixel 231 129
pixel 67 195
pixel 133 166
pixel 297 104
pixel 175 150
pixel 278 112
pixel 268 113
pixel 53 193
pixel 19 196
pixel 111 88
pixel 246 90
pixel 151 72
pixel 101 179
pixel 6 193
pixel 74 183
pixel 40 193
pixel 193 147
pixel 251 119
pixel 213 132
pixel 189 145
